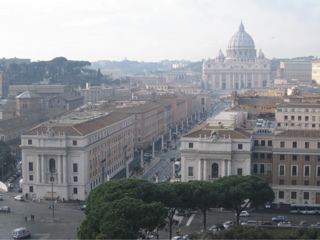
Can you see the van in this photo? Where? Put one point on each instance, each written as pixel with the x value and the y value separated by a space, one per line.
pixel 21 233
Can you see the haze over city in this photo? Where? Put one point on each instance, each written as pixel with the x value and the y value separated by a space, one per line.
pixel 151 31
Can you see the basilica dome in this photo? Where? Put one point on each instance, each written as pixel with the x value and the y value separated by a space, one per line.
pixel 241 39
pixel 241 46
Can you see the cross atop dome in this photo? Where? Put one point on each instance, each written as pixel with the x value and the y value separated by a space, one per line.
pixel 241 27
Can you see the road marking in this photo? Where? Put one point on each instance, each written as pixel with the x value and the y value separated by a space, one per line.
pixel 190 219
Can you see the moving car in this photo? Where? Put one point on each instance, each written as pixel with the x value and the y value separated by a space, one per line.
pixel 303 224
pixel 5 209
pixel 20 233
pixel 268 205
pixel 244 214
pixel 279 219
pixel 217 227
pixel 183 213
pixel 19 198
pixel 250 223
pixel 228 224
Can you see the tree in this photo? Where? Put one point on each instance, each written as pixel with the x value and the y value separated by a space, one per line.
pixel 204 195
pixel 169 196
pixel 237 192
pixel 121 219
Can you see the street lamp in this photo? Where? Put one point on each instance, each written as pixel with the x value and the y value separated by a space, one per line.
pixel 52 170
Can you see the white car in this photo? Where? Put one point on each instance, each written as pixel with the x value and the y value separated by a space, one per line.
pixel 19 198
pixel 244 214
pixel 250 223
pixel 1 198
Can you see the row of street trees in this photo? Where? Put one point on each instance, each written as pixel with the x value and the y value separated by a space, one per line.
pixel 7 160
pixel 118 209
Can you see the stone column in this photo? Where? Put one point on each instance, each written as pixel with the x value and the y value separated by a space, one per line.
pixel 223 172
pixel 59 173
pixel 205 172
pixel 229 166
pixel 39 168
pixel 64 160
pixel 200 171
pixel 43 170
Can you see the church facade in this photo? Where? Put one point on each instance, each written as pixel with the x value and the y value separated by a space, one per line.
pixel 241 68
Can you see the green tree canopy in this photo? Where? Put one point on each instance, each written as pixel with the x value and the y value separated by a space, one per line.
pixel 238 191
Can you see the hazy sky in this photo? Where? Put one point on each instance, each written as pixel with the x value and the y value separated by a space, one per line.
pixel 155 30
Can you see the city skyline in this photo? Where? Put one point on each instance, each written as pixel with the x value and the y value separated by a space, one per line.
pixel 152 31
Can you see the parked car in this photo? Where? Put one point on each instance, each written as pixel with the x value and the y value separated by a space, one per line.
pixel 228 224
pixel 1 198
pixel 21 233
pixel 19 198
pixel 268 205
pixel 82 208
pixel 19 190
pixel 267 223
pixel 5 209
pixel 250 223
pixel 284 224
pixel 174 147
pixel 303 224
pixel 279 219
pixel 184 213
pixel 217 227
pixel 244 214
pixel 316 225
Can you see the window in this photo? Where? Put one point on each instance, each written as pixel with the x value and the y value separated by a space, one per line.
pixel 299 118
pixel 190 171
pixel 307 158
pixel 281 194
pixel 318 145
pixel 255 155
pixel 318 183
pixel 75 178
pixel 293 195
pixel 306 171
pixel 256 142
pixel 263 143
pixel 294 170
pixel 190 145
pixel 306 118
pixel 262 156
pixel 75 190
pixel 281 157
pixel 292 118
pixel 30 177
pixel 74 143
pixel 30 166
pixel 306 182
pixel 294 157
pixel 269 156
pixel 294 144
pixel 30 188
pixel 294 182
pixel 281 170
pixel 52 165
pixel 239 171
pixel 286 117
pixel 281 182
pixel 306 195
pixel 75 167
pixel 282 144
pixel 29 142
pixel 269 143
pixel 215 170
pixel 313 125
pixel 255 168
pixel 261 168
pixel 318 171
pixel 239 146
pixel 306 145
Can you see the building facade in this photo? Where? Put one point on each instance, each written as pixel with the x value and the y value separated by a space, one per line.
pixel 241 68
pixel 75 153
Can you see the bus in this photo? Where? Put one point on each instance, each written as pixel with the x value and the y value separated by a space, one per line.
pixel 313 209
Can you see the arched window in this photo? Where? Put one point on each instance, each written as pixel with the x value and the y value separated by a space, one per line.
pixel 215 170
pixel 52 165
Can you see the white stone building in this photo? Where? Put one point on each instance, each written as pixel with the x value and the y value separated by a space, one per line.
pixel 78 152
pixel 241 68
